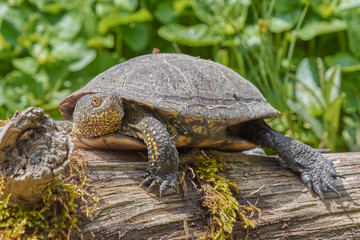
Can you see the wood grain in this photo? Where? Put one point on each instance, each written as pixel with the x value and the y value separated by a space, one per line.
pixel 289 210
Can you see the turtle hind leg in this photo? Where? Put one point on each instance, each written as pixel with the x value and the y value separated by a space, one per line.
pixel 317 172
pixel 162 154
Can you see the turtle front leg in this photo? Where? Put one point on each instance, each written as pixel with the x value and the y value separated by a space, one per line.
pixel 162 154
pixel 317 172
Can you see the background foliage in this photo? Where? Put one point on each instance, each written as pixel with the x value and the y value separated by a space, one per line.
pixel 303 55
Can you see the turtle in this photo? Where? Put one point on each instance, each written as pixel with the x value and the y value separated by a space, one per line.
pixel 161 102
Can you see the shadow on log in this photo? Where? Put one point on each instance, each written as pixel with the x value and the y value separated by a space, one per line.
pixel 289 210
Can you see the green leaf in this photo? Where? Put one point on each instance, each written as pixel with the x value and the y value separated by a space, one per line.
pixel 16 17
pixel 315 124
pixel 351 132
pixel 57 72
pixel 347 62
pixel 126 5
pixel 222 56
pixel 165 12
pixel 181 5
pixel 101 41
pixel 41 4
pixel 68 27
pixel 136 37
pixel 87 56
pixel 77 54
pixel 286 5
pixel 89 22
pixel 53 8
pixel 226 17
pixel 332 118
pixel 333 80
pixel 350 86
pixel 54 99
pixel 103 8
pixel 116 19
pixel 3 10
pixel 307 90
pixel 284 21
pixel 27 65
pixel 9 33
pixel 285 16
pixel 43 85
pixel 18 91
pixel 252 36
pixel 325 8
pixel 353 23
pixel 346 5
pixel 313 29
pixel 194 36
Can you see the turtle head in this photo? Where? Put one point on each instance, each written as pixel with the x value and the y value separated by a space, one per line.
pixel 97 114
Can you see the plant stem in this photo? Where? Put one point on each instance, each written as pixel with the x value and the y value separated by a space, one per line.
pixel 292 44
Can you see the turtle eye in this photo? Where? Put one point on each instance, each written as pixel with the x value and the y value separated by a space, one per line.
pixel 95 101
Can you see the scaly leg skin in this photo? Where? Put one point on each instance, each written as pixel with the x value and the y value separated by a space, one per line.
pixel 162 154
pixel 317 172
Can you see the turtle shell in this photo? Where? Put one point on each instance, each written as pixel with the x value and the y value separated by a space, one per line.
pixel 176 84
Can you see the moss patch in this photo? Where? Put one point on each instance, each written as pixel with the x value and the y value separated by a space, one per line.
pixel 225 211
pixel 4 122
pixel 57 215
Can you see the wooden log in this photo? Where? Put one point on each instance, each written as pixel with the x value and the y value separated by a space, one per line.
pixel 33 151
pixel 289 210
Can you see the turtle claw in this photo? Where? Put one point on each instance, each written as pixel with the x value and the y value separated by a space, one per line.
pixel 165 183
pixel 152 184
pixel 146 180
pixel 320 177
pixel 336 175
pixel 169 182
pixel 318 191
pixel 335 191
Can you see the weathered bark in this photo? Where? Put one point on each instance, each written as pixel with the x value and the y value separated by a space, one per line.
pixel 289 210
pixel 33 151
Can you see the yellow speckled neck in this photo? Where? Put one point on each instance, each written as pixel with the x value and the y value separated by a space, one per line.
pixel 93 121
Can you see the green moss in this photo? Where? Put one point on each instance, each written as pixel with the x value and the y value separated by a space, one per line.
pixel 57 214
pixel 217 190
